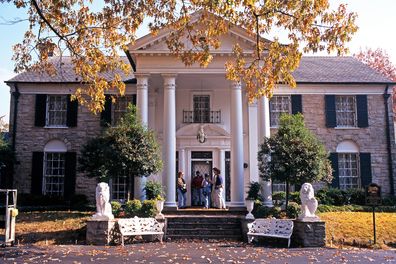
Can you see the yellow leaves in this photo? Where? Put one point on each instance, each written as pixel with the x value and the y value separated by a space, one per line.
pixel 93 37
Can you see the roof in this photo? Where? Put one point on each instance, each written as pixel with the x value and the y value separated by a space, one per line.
pixel 65 74
pixel 336 70
pixel 311 70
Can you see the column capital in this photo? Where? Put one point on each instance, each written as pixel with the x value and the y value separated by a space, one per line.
pixel 169 80
pixel 236 85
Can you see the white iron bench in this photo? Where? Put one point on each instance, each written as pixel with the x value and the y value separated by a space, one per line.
pixel 140 227
pixel 278 228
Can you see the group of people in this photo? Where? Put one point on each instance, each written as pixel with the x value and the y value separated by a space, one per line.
pixel 206 192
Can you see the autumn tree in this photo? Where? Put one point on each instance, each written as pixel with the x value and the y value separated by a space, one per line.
pixel 378 60
pixel 128 149
pixel 296 155
pixel 93 33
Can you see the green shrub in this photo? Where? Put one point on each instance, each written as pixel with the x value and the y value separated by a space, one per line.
pixel 293 210
pixel 254 191
pixel 323 198
pixel 266 212
pixel 389 201
pixel 295 197
pixel 148 208
pixel 354 208
pixel 116 208
pixel 79 202
pixel 279 196
pixel 355 196
pixel 132 208
pixel 153 190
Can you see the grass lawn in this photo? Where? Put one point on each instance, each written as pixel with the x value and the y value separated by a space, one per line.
pixel 342 228
pixel 51 228
pixel 356 228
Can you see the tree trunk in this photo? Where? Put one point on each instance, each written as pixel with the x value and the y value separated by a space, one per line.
pixel 287 197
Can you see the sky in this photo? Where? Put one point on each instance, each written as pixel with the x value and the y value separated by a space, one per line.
pixel 376 20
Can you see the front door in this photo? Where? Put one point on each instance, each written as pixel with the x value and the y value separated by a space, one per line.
pixel 200 161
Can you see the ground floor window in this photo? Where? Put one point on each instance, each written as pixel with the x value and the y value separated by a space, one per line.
pixel 348 170
pixel 119 188
pixel 54 173
pixel 278 186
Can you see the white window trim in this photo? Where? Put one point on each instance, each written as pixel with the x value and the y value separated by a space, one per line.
pixel 356 113
pixel 359 176
pixel 290 107
pixel 47 112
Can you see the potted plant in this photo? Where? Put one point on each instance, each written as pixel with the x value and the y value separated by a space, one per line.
pixel 159 204
pixel 252 196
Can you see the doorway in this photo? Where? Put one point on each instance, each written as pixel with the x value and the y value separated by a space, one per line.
pixel 201 161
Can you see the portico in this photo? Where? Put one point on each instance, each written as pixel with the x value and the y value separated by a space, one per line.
pixel 174 91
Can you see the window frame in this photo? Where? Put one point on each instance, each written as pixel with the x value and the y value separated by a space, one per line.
pixel 339 112
pixel 278 112
pixel 48 111
pixel 115 181
pixel 59 193
pixel 343 186
pixel 204 114
pixel 114 111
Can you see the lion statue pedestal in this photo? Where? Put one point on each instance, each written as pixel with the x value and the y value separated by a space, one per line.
pixel 309 230
pixel 102 223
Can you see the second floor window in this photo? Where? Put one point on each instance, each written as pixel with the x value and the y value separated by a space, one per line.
pixel 120 108
pixel 56 110
pixel 279 105
pixel 201 105
pixel 346 111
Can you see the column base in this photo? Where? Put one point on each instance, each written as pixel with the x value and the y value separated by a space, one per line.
pixel 268 203
pixel 237 204
pixel 170 205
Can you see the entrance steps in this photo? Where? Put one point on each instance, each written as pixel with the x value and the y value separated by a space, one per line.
pixel 204 224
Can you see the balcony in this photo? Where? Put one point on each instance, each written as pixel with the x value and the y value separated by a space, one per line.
pixel 212 117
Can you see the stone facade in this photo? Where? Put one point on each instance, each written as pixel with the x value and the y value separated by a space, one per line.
pixel 30 138
pixel 309 234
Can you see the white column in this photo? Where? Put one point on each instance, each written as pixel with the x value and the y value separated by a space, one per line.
pixel 253 142
pixel 264 132
pixel 142 113
pixel 222 169
pixel 182 161
pixel 169 139
pixel 237 181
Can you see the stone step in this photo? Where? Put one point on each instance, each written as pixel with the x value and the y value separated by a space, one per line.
pixel 203 232
pixel 204 237
pixel 203 221
pixel 215 226
pixel 194 211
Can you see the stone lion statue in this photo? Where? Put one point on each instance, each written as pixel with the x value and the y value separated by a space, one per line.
pixel 309 204
pixel 103 207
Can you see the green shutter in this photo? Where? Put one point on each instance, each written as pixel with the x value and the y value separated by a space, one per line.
pixel 134 99
pixel 330 111
pixel 365 169
pixel 40 110
pixel 296 103
pixel 334 164
pixel 70 175
pixel 362 113
pixel 72 111
pixel 37 173
pixel 105 116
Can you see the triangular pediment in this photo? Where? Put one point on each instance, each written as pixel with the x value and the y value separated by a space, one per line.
pixel 157 43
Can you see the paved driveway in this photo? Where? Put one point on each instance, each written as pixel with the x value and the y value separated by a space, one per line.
pixel 190 252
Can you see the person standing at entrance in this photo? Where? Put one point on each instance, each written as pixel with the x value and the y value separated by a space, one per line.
pixel 197 189
pixel 207 189
pixel 181 191
pixel 218 189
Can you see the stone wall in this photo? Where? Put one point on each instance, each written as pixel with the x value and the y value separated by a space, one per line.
pixel 30 138
pixel 371 139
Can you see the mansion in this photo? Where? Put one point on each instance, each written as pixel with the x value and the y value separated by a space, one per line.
pixel 346 104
